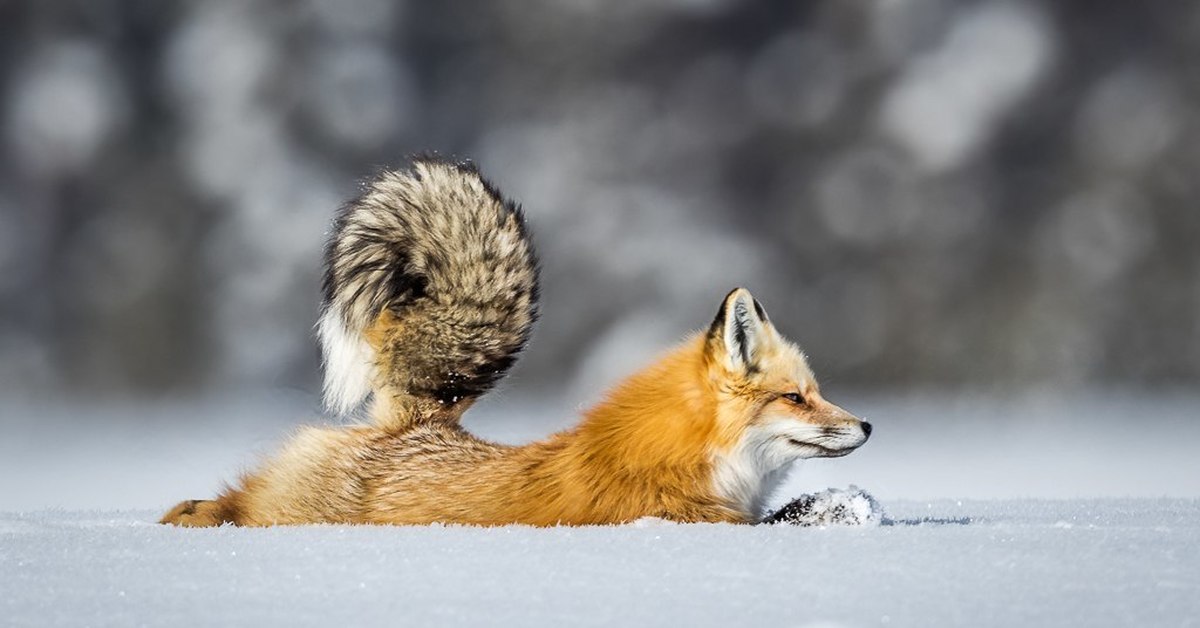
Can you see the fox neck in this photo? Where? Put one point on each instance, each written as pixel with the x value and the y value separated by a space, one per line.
pixel 659 431
pixel 746 475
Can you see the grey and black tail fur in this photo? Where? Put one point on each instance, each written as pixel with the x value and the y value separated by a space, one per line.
pixel 430 290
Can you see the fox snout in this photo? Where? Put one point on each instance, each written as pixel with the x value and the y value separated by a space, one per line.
pixel 865 428
pixel 838 434
pixel 834 416
pixel 851 423
pixel 858 425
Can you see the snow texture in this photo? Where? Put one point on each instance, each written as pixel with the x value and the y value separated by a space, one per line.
pixel 831 507
pixel 1132 562
pixel 1129 558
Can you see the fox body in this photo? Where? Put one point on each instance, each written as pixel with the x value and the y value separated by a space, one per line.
pixel 430 292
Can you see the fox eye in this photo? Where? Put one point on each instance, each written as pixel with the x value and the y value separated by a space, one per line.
pixel 795 398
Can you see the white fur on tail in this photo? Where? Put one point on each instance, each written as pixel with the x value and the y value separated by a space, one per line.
pixel 349 363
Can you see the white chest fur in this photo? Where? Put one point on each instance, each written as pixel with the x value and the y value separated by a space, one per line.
pixel 747 475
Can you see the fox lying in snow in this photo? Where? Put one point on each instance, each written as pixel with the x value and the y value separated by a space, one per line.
pixel 430 291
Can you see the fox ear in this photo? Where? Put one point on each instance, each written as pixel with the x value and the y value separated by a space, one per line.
pixel 739 332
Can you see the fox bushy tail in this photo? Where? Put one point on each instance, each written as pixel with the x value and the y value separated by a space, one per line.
pixel 430 292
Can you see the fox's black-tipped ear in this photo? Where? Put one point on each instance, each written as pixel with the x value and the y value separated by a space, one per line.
pixel 740 331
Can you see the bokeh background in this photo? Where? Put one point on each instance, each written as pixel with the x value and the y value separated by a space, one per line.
pixel 979 199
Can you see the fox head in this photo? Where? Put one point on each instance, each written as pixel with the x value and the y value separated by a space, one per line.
pixel 769 408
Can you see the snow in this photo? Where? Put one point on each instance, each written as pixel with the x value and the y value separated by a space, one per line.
pixel 1118 543
pixel 939 563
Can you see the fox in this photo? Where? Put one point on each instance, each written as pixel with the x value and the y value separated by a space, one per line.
pixel 430 292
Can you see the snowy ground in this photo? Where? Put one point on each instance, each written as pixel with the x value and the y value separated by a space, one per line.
pixel 1118 543
pixel 943 563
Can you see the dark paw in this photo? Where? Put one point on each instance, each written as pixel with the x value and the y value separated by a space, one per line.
pixel 833 507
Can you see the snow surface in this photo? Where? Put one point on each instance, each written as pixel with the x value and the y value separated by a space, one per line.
pixel 941 563
pixel 81 485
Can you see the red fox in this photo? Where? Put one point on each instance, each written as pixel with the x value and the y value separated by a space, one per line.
pixel 430 292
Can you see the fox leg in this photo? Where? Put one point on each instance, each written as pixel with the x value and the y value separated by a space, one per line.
pixel 196 513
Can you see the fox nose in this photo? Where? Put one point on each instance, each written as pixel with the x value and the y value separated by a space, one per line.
pixel 866 427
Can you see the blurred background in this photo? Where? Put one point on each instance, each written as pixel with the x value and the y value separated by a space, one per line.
pixel 972 201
